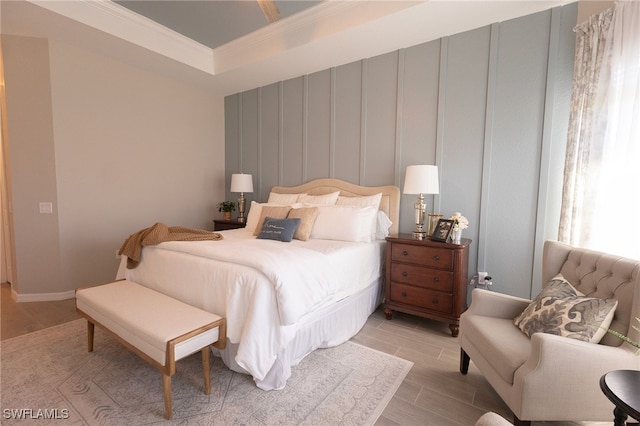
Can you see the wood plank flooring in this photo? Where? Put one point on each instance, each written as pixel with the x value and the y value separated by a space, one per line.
pixel 434 393
pixel 22 318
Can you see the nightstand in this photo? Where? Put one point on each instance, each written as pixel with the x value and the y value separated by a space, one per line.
pixel 223 225
pixel 426 278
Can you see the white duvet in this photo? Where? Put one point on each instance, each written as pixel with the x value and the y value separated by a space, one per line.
pixel 264 288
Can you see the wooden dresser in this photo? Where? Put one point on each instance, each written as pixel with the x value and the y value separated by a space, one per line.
pixel 426 278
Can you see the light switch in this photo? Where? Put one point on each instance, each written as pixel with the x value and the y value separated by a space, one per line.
pixel 46 207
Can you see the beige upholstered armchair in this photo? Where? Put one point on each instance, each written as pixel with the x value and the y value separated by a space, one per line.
pixel 547 376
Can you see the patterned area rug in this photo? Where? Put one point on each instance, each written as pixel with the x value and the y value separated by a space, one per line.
pixel 49 377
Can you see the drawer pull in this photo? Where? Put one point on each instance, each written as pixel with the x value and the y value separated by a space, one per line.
pixel 404 294
pixel 405 253
pixel 436 257
pixel 404 273
pixel 436 279
pixel 435 301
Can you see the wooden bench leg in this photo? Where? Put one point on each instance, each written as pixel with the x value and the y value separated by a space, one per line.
pixel 205 370
pixel 166 391
pixel 90 329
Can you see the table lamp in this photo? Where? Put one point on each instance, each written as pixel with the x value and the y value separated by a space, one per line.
pixel 241 183
pixel 421 179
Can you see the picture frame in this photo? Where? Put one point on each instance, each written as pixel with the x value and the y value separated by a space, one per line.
pixel 442 230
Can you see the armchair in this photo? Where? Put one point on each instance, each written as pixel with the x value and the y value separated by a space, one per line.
pixel 550 377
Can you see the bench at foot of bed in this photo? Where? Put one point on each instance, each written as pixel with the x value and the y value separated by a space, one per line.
pixel 160 329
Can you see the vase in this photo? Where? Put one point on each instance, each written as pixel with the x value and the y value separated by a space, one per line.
pixel 226 215
pixel 456 236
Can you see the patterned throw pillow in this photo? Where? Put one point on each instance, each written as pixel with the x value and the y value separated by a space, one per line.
pixel 562 310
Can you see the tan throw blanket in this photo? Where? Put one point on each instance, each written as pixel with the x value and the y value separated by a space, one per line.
pixel 158 233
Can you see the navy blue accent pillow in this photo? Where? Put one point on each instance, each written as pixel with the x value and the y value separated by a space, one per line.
pixel 279 229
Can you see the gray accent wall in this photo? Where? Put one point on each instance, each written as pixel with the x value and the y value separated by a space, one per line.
pixel 489 107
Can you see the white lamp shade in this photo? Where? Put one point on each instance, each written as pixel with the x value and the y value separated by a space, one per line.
pixel 421 179
pixel 241 182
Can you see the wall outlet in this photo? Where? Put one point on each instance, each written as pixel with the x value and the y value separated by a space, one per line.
pixel 481 277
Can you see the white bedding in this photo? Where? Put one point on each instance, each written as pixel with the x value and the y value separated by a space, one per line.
pixel 264 288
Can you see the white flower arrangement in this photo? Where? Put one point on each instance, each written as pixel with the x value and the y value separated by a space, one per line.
pixel 460 222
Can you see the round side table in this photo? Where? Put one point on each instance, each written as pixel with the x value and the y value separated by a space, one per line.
pixel 622 387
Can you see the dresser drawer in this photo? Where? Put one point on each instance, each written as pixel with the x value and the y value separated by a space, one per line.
pixel 435 279
pixel 441 258
pixel 422 298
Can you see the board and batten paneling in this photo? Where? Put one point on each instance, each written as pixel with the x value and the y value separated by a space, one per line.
pixel 518 107
pixel 488 106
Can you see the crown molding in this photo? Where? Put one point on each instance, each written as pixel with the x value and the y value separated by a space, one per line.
pixel 323 20
pixel 118 21
pixel 332 33
pixel 310 25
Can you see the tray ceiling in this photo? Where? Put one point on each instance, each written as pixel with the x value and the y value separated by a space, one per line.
pixel 230 46
pixel 215 22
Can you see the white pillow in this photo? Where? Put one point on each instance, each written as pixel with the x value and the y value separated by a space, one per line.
pixel 382 226
pixel 319 200
pixel 284 199
pixel 345 223
pixel 368 200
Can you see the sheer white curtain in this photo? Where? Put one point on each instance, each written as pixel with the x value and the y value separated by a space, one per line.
pixel 601 194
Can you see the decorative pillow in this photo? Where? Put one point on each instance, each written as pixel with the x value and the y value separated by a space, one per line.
pixel 307 216
pixel 562 310
pixel 319 200
pixel 283 199
pixel 559 287
pixel 369 200
pixel 274 212
pixel 345 223
pixel 254 215
pixel 279 229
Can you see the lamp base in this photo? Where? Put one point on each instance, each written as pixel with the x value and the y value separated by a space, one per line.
pixel 420 208
pixel 241 207
pixel 419 235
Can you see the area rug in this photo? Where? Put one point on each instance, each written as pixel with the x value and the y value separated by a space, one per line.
pixel 48 377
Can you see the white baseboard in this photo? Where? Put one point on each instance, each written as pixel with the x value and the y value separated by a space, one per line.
pixel 43 297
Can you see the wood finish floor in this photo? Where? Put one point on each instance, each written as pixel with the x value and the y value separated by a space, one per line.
pixel 434 393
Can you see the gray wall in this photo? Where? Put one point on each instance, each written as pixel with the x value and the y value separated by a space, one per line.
pixel 489 107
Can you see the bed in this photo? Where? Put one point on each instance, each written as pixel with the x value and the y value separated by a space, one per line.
pixel 282 300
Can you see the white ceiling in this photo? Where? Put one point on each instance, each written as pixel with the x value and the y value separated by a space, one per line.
pixel 228 46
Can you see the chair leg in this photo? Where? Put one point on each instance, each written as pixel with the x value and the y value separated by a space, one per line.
pixel 206 371
pixel 464 362
pixel 518 422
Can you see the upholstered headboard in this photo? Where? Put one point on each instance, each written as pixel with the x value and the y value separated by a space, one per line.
pixel 390 203
pixel 600 275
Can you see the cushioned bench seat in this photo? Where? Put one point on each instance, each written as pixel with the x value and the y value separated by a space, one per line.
pixel 160 329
